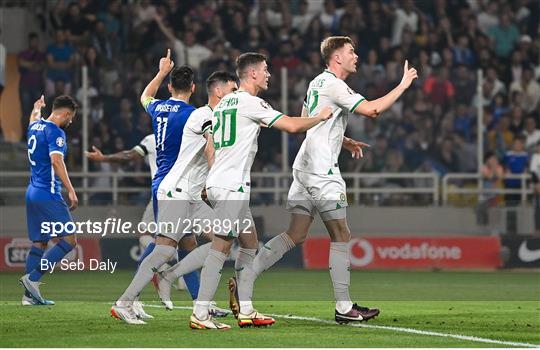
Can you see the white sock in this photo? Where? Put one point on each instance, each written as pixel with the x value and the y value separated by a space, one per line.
pixel 210 276
pixel 272 252
pixel 144 241
pixel 191 262
pixel 242 267
pixel 339 263
pixel 159 256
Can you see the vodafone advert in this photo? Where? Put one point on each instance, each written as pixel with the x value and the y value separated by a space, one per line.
pixel 410 252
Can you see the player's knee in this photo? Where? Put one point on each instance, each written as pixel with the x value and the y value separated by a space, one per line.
pixel 188 243
pixel 40 244
pixel 71 239
pixel 297 236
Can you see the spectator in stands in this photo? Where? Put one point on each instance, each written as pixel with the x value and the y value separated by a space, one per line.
pixel 404 16
pixel 529 87
pixel 492 178
pixel 462 54
pixel 2 68
pixel 438 88
pixel 31 67
pixel 504 36
pixel 447 156
pixel 531 134
pixel 188 51
pixel 60 63
pixel 515 162
pixel 488 19
pixel 77 26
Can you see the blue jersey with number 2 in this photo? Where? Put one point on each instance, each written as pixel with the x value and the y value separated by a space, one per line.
pixel 45 138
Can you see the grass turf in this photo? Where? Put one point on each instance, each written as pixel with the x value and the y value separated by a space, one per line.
pixel 496 305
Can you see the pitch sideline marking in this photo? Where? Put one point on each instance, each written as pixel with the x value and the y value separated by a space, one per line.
pixel 388 328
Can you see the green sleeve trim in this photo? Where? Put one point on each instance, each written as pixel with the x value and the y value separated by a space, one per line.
pixel 147 101
pixel 208 128
pixel 356 105
pixel 275 120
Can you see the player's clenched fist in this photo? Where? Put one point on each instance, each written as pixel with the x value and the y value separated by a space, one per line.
pixel 409 74
pixel 165 63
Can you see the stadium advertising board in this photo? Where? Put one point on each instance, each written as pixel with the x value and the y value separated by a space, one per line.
pixel 523 251
pixel 14 251
pixel 409 252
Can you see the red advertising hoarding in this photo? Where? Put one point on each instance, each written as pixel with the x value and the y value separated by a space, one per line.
pixel 455 252
pixel 13 252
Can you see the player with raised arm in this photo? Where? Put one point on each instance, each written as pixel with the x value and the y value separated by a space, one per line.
pixel 236 124
pixel 194 176
pixel 147 149
pixel 47 146
pixel 168 120
pixel 317 183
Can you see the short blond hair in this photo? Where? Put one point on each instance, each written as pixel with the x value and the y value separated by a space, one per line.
pixel 331 44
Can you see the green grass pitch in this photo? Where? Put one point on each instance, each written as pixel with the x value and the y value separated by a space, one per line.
pixel 502 306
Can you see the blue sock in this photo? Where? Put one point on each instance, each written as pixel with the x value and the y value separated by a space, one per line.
pixel 192 278
pixel 33 259
pixel 146 252
pixel 54 255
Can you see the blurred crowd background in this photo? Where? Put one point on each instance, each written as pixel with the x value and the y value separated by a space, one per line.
pixel 431 128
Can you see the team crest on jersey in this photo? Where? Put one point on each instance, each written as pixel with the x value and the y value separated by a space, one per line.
pixel 342 197
pixel 60 141
pixel 266 105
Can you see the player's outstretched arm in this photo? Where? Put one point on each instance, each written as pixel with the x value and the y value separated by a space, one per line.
pixel 294 125
pixel 124 156
pixel 374 108
pixel 35 115
pixel 165 66
pixel 57 161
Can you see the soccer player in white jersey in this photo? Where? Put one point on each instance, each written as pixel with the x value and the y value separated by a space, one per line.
pixel 147 149
pixel 317 184
pixel 189 176
pixel 236 124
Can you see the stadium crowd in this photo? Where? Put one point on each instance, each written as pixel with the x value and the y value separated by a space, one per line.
pixel 432 128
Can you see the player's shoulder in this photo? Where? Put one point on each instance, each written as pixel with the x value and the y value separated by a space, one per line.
pixel 52 128
pixel 325 79
pixel 202 112
pixel 150 138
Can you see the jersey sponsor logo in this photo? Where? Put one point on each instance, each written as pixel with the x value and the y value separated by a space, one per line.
pixel 60 141
pixel 526 254
pixel 342 197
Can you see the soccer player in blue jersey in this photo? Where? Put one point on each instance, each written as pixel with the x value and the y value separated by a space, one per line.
pixel 45 206
pixel 168 120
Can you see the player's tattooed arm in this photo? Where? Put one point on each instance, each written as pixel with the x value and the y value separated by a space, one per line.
pixel 57 161
pixel 165 66
pixel 294 125
pixel 124 156
pixel 355 147
pixel 374 108
pixel 36 112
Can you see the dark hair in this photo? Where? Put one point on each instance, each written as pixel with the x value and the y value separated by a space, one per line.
pixel 65 101
pixel 182 78
pixel 219 77
pixel 488 155
pixel 331 44
pixel 247 59
pixel 32 35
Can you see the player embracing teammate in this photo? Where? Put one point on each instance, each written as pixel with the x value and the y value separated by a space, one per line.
pixel 318 187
